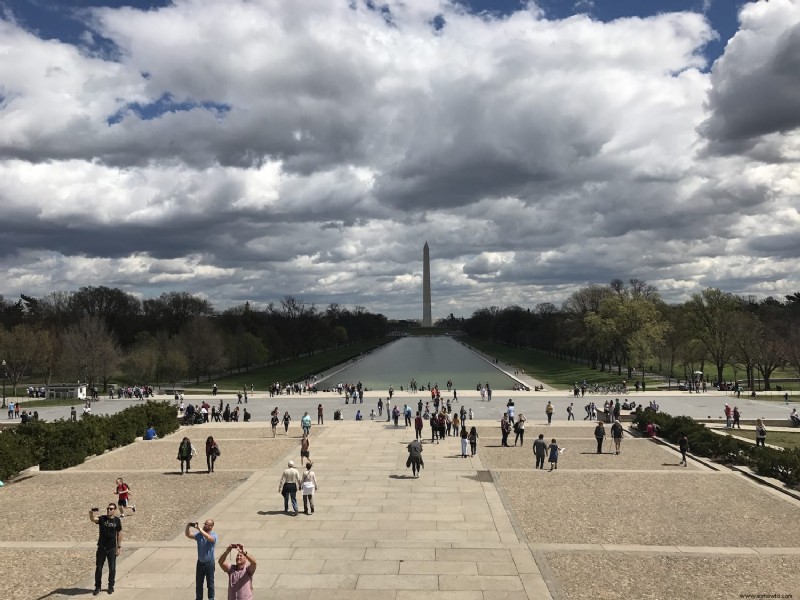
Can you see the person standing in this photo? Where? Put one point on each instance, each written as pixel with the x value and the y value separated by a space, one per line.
pixel 109 545
pixel 736 416
pixel 464 442
pixel 240 574
pixel 554 452
pixel 519 430
pixel 287 487
pixel 761 433
pixel 599 435
pixel 185 453
pixel 320 416
pixel 683 445
pixel 549 412
pixel 310 487
pixel 305 423
pixel 206 539
pixel 212 453
pixel 305 448
pixel 123 492
pixel 505 429
pixel 286 420
pixel 616 435
pixel 473 440
pixel 539 451
pixel 728 415
pixel 380 407
pixel 415 458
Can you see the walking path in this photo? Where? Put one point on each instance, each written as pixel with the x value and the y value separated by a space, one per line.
pixel 489 527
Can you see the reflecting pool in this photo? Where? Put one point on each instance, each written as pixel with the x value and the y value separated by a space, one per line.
pixel 426 359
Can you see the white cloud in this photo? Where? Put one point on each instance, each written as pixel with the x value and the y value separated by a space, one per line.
pixel 310 149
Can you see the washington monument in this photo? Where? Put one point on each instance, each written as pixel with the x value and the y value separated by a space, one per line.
pixel 426 287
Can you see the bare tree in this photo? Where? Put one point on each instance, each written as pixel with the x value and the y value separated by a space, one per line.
pixel 90 351
pixel 18 349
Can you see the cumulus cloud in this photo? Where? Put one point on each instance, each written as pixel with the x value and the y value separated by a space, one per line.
pixel 252 149
pixel 756 84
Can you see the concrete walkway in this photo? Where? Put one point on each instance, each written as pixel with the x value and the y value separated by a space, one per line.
pixel 376 532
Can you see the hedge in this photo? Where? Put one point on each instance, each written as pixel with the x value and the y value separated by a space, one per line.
pixel 769 462
pixel 62 444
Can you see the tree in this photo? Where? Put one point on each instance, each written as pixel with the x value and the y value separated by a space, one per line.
pixel 18 348
pixel 174 364
pixel 90 351
pixel 203 346
pixel 712 315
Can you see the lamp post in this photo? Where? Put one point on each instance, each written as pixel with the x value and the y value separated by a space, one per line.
pixel 4 375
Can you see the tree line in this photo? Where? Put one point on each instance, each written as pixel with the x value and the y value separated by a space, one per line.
pixel 97 333
pixel 629 326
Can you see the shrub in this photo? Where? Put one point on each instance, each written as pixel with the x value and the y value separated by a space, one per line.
pixel 62 444
pixel 779 464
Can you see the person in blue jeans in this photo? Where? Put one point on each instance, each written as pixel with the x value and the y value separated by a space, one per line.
pixel 206 540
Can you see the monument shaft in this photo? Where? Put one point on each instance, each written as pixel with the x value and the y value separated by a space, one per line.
pixel 426 287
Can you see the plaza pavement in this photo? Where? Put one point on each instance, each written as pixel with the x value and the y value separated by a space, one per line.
pixel 634 525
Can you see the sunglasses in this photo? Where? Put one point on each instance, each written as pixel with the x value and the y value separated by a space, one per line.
pixel 111 508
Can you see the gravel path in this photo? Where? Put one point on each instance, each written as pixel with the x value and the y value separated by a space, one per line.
pixel 704 509
pixel 636 454
pixel 622 576
pixel 29 573
pixel 162 455
pixel 55 506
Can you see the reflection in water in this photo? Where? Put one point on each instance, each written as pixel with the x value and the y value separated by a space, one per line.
pixel 426 359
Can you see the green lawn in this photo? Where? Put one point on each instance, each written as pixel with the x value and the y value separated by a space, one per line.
pixel 557 373
pixel 785 439
pixel 291 371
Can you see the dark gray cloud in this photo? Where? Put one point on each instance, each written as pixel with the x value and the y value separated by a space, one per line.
pixel 310 149
pixel 756 84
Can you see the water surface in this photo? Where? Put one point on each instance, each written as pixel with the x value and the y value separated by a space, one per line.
pixel 428 360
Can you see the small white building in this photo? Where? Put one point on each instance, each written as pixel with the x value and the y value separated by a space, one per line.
pixel 66 391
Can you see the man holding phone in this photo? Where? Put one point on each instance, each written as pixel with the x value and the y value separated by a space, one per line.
pixel 206 540
pixel 109 545
pixel 240 574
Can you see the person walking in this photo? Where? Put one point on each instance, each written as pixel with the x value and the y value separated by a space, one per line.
pixel 554 452
pixel 109 545
pixel 549 412
pixel 539 451
pixel 434 423
pixel 274 420
pixel 287 487
pixel 728 416
pixel 761 433
pixel 305 448
pixel 310 487
pixel 599 435
pixel 396 415
pixel 320 415
pixel 286 420
pixel 240 574
pixel 123 492
pixel 464 442
pixel 212 453
pixel 473 440
pixel 519 430
pixel 206 539
pixel 616 435
pixel 683 445
pixel 305 423
pixel 736 416
pixel 571 412
pixel 415 458
pixel 185 454
pixel 418 423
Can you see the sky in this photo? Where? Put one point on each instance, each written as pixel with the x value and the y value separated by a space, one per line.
pixel 250 150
